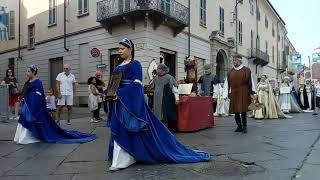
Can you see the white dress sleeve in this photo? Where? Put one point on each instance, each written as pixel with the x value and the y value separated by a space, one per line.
pixel 175 92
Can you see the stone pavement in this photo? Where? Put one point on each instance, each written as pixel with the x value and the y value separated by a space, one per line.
pixel 272 150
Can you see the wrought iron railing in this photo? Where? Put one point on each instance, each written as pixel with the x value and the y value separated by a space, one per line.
pixel 258 54
pixel 110 8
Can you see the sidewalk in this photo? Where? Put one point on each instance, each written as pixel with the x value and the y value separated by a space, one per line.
pixel 272 150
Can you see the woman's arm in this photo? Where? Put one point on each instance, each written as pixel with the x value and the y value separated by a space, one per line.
pixel 94 90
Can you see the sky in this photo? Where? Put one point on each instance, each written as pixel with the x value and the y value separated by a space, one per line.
pixel 302 23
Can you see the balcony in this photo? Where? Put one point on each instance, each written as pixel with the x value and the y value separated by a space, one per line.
pixel 168 12
pixel 259 57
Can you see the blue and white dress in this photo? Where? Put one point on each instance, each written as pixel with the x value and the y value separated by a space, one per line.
pixel 136 133
pixel 36 124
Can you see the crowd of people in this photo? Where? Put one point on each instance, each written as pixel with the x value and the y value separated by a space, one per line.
pixel 140 131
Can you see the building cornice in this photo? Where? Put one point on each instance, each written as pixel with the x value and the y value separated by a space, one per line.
pixel 275 12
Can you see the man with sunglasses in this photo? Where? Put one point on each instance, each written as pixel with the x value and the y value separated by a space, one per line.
pixel 66 88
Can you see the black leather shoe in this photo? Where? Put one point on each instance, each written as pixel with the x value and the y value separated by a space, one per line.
pixel 239 129
pixel 244 130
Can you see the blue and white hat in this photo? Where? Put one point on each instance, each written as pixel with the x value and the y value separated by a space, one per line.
pixel 126 42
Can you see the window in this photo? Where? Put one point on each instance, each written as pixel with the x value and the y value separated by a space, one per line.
pixel 272 54
pixel 251 2
pixel 124 5
pixel 258 13
pixel 31 36
pixel 266 47
pixel 258 42
pixel 266 23
pixel 282 42
pixel 203 12
pixel 52 12
pixel 83 62
pixel 83 7
pixel 252 39
pixel 11 25
pixel 273 32
pixel 240 32
pixel 221 24
pixel 278 38
pixel 165 6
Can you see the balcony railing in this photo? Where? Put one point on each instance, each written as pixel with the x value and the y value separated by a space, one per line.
pixel 108 9
pixel 258 56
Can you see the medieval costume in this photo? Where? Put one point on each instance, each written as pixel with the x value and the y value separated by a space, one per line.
pixel 310 94
pixel 220 93
pixel 36 124
pixel 165 97
pixel 295 102
pixel 287 100
pixel 303 97
pixel 207 82
pixel 276 92
pixel 271 108
pixel 317 97
pixel 190 68
pixel 240 89
pixel 136 133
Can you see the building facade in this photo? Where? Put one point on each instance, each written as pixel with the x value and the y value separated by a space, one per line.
pixel 53 32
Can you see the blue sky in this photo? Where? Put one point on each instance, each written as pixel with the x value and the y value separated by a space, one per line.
pixel 302 23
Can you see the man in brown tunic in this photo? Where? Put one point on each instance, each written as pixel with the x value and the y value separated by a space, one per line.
pixel 240 91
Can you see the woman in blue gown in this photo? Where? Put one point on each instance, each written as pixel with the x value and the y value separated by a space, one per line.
pixel 136 133
pixel 35 122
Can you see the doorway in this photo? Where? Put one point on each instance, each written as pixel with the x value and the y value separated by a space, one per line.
pixel 56 67
pixel 169 58
pixel 221 67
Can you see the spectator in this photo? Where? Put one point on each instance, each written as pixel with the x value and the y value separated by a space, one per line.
pixel 317 92
pixel 66 89
pixel 93 98
pixel 166 97
pixel 99 85
pixel 51 103
pixel 149 89
pixel 14 93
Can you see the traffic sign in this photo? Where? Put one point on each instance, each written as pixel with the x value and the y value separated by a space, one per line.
pixel 101 66
pixel 95 52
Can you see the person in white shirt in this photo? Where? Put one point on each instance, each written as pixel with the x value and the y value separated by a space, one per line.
pixel 66 84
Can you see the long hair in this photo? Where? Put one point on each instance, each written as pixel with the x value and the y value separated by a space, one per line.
pixel 133 50
pixel 7 72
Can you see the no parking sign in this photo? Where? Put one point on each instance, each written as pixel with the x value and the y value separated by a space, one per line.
pixel 95 52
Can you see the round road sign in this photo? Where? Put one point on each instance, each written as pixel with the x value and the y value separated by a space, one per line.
pixel 95 52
